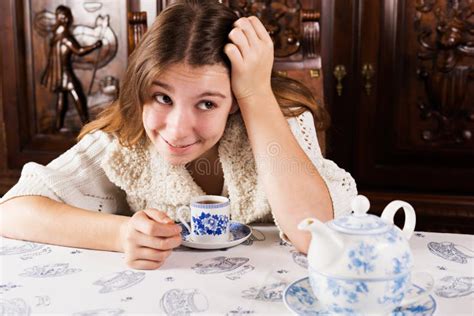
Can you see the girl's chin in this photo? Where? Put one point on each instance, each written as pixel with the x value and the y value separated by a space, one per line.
pixel 178 161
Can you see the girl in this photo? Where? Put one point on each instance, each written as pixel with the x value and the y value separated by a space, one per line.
pixel 199 112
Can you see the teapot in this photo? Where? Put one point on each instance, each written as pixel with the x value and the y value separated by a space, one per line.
pixel 362 263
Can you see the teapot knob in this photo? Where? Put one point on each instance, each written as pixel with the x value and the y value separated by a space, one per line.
pixel 360 205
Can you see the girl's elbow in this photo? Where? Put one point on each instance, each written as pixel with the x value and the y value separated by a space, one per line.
pixel 302 242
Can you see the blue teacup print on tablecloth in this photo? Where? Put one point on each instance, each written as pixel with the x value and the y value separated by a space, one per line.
pixel 452 287
pixel 449 251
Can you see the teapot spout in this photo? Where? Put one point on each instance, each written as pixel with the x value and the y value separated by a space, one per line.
pixel 309 224
pixel 316 227
pixel 326 244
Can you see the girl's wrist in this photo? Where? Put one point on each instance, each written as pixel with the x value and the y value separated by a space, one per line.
pixel 258 99
pixel 122 235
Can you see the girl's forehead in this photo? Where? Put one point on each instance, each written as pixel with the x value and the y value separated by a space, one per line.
pixel 177 74
pixel 189 71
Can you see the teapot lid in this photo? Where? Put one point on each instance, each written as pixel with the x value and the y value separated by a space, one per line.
pixel 360 223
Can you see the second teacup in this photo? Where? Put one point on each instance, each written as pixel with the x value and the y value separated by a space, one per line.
pixel 210 218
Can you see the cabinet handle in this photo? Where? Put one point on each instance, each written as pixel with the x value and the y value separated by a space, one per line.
pixel 282 73
pixel 367 73
pixel 339 73
pixel 314 73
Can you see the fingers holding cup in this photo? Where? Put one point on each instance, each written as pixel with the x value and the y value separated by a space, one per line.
pixel 155 223
pixel 149 238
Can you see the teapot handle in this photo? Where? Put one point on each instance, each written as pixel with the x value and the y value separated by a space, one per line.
pixel 410 217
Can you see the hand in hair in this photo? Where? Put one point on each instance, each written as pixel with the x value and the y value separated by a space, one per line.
pixel 148 238
pixel 251 56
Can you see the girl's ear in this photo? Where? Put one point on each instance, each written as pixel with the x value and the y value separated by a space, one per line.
pixel 235 106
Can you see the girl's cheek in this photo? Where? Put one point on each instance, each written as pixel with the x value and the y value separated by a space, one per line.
pixel 151 119
pixel 212 128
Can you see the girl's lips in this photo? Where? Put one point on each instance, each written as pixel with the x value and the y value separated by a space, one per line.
pixel 178 149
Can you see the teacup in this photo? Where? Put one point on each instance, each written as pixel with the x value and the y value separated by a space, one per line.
pixel 210 218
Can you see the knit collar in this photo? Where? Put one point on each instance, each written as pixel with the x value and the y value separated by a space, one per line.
pixel 149 181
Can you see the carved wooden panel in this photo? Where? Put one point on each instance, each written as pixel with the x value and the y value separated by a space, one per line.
pixel 31 36
pixel 445 57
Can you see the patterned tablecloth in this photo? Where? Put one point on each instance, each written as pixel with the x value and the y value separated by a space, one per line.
pixel 247 279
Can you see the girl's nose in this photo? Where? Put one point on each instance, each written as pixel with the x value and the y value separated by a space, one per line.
pixel 179 123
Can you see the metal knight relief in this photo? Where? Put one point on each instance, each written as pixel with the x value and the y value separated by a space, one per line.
pixel 445 34
pixel 74 54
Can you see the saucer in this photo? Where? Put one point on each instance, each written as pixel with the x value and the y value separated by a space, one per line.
pixel 239 233
pixel 299 299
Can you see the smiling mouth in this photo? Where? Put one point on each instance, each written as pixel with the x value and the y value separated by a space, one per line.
pixel 178 146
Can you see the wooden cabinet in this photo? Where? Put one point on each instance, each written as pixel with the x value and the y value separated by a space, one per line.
pixel 398 83
pixel 403 118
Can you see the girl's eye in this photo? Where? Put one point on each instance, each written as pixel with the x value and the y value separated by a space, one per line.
pixel 163 99
pixel 206 105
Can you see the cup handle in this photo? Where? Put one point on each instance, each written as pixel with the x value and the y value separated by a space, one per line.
pixel 428 286
pixel 410 217
pixel 179 215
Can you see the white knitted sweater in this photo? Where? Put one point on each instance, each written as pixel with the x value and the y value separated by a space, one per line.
pixel 101 175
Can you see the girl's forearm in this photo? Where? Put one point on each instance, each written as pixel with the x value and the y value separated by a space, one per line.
pixel 41 219
pixel 294 187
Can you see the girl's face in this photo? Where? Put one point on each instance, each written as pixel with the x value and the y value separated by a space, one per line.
pixel 187 111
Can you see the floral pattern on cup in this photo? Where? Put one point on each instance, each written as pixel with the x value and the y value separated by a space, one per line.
pixel 211 224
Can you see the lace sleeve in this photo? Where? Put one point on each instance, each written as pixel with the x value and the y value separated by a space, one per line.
pixel 341 185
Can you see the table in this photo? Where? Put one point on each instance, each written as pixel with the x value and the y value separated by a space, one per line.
pixel 247 279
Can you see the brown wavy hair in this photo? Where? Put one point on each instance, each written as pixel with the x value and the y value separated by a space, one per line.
pixel 192 32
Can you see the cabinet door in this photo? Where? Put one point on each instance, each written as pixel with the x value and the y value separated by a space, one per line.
pixel 412 116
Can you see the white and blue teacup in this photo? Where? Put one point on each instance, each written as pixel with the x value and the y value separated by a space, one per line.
pixel 210 218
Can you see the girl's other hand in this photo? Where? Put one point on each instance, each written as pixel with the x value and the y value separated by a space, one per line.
pixel 148 238
pixel 251 56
